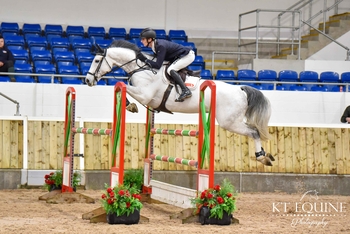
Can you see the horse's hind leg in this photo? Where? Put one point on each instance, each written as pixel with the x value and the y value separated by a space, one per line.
pixel 243 129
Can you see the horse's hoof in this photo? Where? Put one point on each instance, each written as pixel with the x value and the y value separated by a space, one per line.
pixel 264 160
pixel 270 156
pixel 132 108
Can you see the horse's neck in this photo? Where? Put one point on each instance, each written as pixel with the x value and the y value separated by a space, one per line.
pixel 121 57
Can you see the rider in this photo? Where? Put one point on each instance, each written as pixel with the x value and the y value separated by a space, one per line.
pixel 179 56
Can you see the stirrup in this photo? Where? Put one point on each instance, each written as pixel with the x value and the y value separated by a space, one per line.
pixel 184 95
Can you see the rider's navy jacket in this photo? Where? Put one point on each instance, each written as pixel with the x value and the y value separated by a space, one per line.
pixel 6 55
pixel 167 51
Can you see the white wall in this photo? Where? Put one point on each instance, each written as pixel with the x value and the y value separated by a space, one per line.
pixel 96 103
pixel 200 18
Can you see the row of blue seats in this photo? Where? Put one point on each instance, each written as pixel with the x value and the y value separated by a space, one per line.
pixel 52 41
pixel 113 32
pixel 283 76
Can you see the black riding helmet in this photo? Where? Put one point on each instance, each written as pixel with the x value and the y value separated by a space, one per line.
pixel 148 33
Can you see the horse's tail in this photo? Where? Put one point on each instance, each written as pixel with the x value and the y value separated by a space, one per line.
pixel 258 112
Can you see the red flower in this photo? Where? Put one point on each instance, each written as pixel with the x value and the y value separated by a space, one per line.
pixel 109 190
pixel 104 196
pixel 52 173
pixel 205 204
pixel 110 201
pixel 203 194
pixel 217 187
pixel 210 195
pixel 229 195
pixel 47 176
pixel 111 194
pixel 127 204
pixel 137 196
pixel 220 200
pixel 121 192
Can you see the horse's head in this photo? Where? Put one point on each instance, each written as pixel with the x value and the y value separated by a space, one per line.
pixel 98 68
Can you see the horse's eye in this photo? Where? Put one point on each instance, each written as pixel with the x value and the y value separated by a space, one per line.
pixel 97 61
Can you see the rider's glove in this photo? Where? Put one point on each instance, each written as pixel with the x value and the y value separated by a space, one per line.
pixel 141 57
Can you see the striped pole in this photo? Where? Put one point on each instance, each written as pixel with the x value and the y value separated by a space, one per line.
pixel 93 131
pixel 187 162
pixel 193 133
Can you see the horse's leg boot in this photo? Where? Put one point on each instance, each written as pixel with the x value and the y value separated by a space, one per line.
pixel 131 106
pixel 186 93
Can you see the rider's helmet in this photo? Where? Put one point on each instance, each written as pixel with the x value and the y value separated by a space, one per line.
pixel 148 33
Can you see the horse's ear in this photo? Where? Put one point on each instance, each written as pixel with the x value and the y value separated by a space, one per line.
pixel 99 49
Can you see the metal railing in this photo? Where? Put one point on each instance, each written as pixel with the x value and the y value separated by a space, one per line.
pixel 14 101
pixel 295 26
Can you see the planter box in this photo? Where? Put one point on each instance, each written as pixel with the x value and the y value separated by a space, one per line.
pixel 204 217
pixel 133 218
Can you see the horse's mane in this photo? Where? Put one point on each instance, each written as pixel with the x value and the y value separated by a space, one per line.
pixel 125 44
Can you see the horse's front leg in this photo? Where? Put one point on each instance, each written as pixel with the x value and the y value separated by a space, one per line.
pixel 261 155
pixel 142 97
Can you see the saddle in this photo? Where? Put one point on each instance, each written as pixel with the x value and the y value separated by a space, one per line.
pixel 184 72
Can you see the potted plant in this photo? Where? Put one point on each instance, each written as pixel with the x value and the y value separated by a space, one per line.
pixel 133 178
pixel 215 205
pixel 122 204
pixel 53 181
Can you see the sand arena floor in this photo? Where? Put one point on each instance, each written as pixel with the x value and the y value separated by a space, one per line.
pixel 22 212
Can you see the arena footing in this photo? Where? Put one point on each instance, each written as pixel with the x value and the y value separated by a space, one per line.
pixel 56 197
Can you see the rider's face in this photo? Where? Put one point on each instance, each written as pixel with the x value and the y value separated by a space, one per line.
pixel 146 42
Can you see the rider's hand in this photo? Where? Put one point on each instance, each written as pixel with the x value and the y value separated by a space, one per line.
pixel 141 57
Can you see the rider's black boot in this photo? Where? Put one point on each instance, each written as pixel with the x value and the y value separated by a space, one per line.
pixel 186 93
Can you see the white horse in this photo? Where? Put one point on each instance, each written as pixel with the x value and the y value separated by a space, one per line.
pixel 240 109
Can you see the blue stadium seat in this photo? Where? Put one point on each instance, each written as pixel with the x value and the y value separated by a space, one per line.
pixel 4 79
pixel 189 44
pixel 58 49
pixel 308 76
pixel 40 62
pixel 206 74
pixel 53 29
pixel 345 77
pixel 81 43
pixel 225 75
pixel 15 47
pixel 84 57
pixel 116 76
pixel 20 62
pixel 263 86
pixel 194 68
pixel 267 75
pixel 329 77
pixel 9 27
pixel 246 75
pixel 69 70
pixel 84 67
pixel 117 33
pixel 105 43
pixel 298 88
pixel 14 40
pixel 20 55
pixel 288 76
pixel 31 28
pixel 64 56
pixel 160 34
pixel 319 88
pixel 6 34
pixel 37 41
pixel 24 68
pixel 179 35
pixel 135 32
pixel 46 69
pixel 63 64
pixel 75 30
pixel 198 61
pixel 96 31
pixel 41 55
pixel 60 42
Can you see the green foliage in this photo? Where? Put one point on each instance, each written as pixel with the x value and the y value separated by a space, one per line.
pixel 56 178
pixel 121 200
pixel 218 199
pixel 133 178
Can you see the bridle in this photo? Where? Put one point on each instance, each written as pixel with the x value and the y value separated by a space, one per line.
pixel 141 68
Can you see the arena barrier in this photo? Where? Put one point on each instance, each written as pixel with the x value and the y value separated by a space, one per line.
pixel 117 134
pixel 172 194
